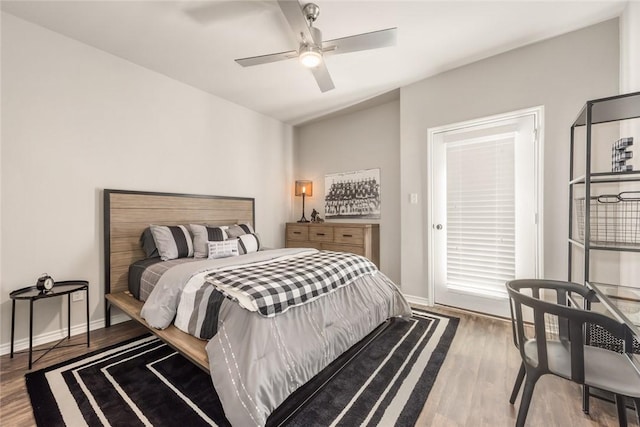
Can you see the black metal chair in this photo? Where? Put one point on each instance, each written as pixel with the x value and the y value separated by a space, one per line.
pixel 564 353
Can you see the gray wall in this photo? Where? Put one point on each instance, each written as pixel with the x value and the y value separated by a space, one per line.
pixel 361 140
pixel 559 73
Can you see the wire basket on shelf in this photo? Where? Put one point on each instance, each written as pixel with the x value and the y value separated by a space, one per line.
pixel 615 219
pixel 600 337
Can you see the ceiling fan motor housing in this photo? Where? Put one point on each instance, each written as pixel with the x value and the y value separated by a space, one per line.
pixel 311 11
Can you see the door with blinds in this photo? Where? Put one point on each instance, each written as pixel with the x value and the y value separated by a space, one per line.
pixel 484 211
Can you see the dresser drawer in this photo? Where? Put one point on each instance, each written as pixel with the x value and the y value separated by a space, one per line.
pixel 358 250
pixel 321 234
pixel 297 232
pixel 348 235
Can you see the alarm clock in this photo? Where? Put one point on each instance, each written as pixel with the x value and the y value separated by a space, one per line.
pixel 45 283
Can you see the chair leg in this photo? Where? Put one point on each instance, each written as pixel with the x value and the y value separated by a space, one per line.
pixel 622 411
pixel 518 384
pixel 527 393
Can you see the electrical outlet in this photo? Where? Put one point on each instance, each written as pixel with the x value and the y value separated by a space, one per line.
pixel 77 296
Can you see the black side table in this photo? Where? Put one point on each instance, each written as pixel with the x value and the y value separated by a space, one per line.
pixel 31 294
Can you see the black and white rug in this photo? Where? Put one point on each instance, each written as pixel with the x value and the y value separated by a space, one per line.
pixel 144 382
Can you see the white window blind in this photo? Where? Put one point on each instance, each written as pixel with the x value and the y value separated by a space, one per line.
pixel 481 215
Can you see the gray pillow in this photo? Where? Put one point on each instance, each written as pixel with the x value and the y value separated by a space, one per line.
pixel 172 241
pixel 238 230
pixel 203 234
pixel 148 244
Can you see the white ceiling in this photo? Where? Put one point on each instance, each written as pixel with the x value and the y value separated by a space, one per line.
pixel 196 42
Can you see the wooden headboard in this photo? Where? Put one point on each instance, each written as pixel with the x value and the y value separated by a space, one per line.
pixel 128 213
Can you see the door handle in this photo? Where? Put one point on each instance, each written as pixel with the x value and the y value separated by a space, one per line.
pixel 438 226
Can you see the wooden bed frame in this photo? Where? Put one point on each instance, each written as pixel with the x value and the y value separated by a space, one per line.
pixel 126 215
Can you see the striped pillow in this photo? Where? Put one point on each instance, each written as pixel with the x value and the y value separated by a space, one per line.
pixel 203 234
pixel 172 241
pixel 238 230
pixel 248 243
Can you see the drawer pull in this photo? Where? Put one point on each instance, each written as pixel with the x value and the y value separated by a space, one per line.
pixel 347 235
pixel 319 234
pixel 297 232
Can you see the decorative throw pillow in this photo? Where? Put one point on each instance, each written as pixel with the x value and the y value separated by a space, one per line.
pixel 238 230
pixel 172 241
pixel 222 249
pixel 248 243
pixel 148 244
pixel 203 234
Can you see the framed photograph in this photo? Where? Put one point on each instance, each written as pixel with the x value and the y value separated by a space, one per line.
pixel 352 195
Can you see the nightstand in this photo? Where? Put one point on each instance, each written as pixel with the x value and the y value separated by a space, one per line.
pixel 32 294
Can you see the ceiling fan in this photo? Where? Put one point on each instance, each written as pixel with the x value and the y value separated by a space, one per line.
pixel 312 49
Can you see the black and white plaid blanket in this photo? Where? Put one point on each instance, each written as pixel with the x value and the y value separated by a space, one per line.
pixel 279 285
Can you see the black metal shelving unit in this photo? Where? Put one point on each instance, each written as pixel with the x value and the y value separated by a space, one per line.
pixel 595 112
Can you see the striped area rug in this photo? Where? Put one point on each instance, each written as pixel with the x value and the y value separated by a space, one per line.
pixel 384 380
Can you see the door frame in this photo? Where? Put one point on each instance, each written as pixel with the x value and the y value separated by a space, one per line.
pixel 538 117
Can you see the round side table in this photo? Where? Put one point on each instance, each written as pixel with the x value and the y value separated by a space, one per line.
pixel 32 294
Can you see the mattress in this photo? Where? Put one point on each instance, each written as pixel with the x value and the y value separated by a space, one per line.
pixel 144 274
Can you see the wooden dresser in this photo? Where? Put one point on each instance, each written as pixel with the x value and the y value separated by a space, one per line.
pixel 361 239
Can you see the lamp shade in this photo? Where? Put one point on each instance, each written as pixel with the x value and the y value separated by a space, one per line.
pixel 304 187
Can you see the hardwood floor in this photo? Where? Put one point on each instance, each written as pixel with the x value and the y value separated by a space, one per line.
pixel 475 382
pixel 472 388
pixel 15 407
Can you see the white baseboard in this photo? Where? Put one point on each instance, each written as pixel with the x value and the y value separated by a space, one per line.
pixel 412 299
pixel 53 336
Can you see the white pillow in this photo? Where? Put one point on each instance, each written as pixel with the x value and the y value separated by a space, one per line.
pixel 223 249
pixel 248 243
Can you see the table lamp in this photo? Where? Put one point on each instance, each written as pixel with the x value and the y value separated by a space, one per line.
pixel 304 189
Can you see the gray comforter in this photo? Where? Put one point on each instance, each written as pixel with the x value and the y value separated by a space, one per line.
pixel 257 362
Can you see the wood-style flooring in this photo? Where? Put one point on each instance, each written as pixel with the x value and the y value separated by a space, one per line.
pixel 472 388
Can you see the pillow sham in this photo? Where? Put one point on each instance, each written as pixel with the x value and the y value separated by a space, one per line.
pixel 203 234
pixel 148 244
pixel 222 249
pixel 248 243
pixel 238 230
pixel 172 241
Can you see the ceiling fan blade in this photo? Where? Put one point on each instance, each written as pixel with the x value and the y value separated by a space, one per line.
pixel 365 41
pixel 265 59
pixel 321 74
pixel 293 13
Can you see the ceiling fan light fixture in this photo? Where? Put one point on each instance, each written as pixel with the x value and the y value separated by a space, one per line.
pixel 310 56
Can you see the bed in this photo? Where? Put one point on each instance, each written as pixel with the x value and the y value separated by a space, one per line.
pixel 256 359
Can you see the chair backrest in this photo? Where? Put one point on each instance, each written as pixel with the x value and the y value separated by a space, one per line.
pixel 571 321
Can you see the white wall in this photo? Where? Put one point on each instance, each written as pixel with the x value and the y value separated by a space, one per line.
pixel 630 82
pixel 559 73
pixel 630 48
pixel 365 139
pixel 77 120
